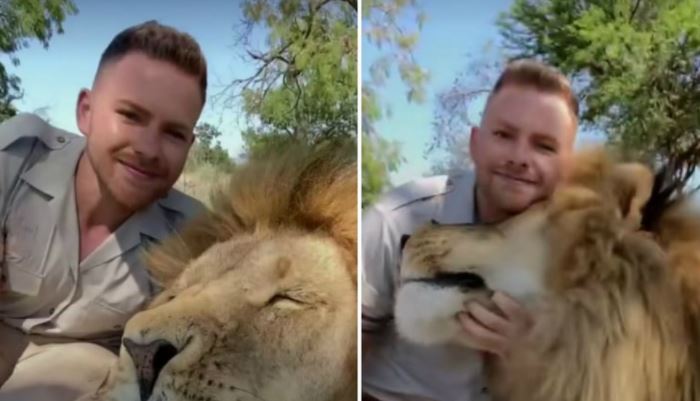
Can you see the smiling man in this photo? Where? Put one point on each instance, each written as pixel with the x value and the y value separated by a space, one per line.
pixel 521 150
pixel 78 211
pixel 525 140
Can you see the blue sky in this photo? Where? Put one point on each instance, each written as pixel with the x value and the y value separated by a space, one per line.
pixel 453 30
pixel 53 77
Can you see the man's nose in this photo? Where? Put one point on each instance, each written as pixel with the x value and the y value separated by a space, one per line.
pixel 519 157
pixel 147 143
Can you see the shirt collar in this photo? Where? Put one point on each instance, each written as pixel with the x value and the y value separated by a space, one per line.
pixel 459 203
pixel 52 176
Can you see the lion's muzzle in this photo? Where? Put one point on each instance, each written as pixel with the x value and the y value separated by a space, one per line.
pixel 149 359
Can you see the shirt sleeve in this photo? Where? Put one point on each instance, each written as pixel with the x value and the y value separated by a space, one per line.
pixel 379 270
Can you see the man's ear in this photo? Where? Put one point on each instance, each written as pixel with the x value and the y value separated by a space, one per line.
pixel 473 141
pixel 632 186
pixel 83 110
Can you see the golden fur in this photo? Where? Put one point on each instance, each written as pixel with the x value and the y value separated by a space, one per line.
pixel 609 322
pixel 678 232
pixel 259 294
pixel 300 189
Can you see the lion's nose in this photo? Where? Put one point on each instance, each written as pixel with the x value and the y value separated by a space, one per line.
pixel 149 360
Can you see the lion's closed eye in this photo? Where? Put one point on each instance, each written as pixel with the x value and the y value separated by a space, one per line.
pixel 284 301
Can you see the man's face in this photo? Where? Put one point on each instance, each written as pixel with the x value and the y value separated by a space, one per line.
pixel 139 121
pixel 522 148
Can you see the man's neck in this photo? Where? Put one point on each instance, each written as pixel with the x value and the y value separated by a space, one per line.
pixel 485 212
pixel 95 206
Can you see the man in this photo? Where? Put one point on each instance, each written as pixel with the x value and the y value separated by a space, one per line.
pixel 520 151
pixel 77 212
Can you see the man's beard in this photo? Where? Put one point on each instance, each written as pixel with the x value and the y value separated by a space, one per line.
pixel 130 204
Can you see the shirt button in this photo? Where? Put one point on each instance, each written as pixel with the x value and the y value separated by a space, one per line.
pixel 51 311
pixel 60 139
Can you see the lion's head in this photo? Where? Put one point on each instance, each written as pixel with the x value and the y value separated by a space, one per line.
pixel 259 299
pixel 608 316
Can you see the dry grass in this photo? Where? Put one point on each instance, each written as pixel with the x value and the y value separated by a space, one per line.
pixel 198 182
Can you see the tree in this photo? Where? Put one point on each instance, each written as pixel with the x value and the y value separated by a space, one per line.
pixel 455 157
pixel 304 87
pixel 21 21
pixel 379 158
pixel 384 25
pixel 455 112
pixel 635 65
pixel 208 150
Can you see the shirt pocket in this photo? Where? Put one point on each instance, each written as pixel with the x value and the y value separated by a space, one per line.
pixel 22 282
pixel 124 292
pixel 24 267
pixel 118 298
pixel 102 317
pixel 106 313
pixel 25 251
pixel 91 319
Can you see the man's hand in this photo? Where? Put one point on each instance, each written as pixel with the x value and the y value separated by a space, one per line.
pixel 496 331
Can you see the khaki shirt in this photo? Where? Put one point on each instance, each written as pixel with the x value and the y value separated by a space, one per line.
pixel 47 290
pixel 392 368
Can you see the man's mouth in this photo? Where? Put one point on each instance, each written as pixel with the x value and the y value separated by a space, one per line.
pixel 139 171
pixel 517 179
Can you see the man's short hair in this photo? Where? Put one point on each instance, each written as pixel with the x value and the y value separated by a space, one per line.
pixel 539 76
pixel 162 43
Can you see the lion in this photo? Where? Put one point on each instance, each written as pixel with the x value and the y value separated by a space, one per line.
pixel 259 295
pixel 677 229
pixel 610 323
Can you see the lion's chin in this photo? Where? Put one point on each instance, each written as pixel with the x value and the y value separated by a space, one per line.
pixel 426 314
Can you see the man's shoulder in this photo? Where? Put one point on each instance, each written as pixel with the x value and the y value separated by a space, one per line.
pixel 26 125
pixel 412 193
pixel 186 206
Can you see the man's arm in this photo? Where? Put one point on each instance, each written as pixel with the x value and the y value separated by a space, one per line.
pixel 19 137
pixel 379 256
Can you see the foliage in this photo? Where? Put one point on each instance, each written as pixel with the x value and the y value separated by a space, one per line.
pixel 304 87
pixel 207 150
pixel 384 26
pixel 456 111
pixel 635 65
pixel 20 22
pixel 379 158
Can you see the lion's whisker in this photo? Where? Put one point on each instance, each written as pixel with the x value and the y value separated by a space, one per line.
pixel 235 388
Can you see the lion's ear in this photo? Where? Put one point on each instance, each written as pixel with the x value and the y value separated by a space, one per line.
pixel 632 186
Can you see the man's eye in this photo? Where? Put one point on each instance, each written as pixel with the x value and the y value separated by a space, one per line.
pixel 502 134
pixel 547 147
pixel 176 135
pixel 129 115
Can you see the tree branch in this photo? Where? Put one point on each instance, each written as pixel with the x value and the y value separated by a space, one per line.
pixel 634 9
pixel 352 3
